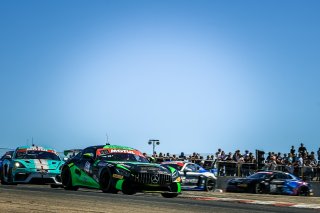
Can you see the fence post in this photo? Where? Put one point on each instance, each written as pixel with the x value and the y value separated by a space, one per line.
pixel 239 169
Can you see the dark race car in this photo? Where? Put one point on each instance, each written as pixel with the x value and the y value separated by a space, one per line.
pixel 114 168
pixel 271 182
pixel 193 176
pixel 8 154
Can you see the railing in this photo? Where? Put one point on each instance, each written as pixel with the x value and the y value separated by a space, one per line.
pixel 224 168
pixel 231 168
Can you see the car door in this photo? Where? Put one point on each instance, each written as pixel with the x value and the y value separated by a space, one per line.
pixel 84 167
pixel 277 182
pixel 190 176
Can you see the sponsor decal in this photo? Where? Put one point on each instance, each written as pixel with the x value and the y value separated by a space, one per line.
pixel 149 168
pixel 106 151
pixel 121 151
pixel 102 164
pixel 117 176
pixel 87 167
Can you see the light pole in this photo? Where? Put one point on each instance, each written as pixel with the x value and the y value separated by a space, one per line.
pixel 154 143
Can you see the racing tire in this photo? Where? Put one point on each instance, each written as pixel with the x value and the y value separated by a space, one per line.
pixel 66 179
pixel 9 178
pixel 210 185
pixel 127 189
pixel 169 195
pixel 3 182
pixel 258 189
pixel 106 183
pixel 54 186
pixel 304 191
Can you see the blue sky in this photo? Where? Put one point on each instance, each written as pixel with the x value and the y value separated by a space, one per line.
pixel 197 75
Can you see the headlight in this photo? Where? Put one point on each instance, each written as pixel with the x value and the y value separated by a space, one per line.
pixel 122 172
pixel 18 165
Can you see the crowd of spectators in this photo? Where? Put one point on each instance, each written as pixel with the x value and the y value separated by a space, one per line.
pixel 300 162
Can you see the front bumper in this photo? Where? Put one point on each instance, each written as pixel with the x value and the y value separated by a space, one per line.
pixel 45 177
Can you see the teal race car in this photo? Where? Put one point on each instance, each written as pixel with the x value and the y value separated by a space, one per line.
pixel 113 168
pixel 32 164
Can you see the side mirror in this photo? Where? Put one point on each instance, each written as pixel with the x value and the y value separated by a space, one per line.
pixel 88 156
pixel 8 157
pixel 185 170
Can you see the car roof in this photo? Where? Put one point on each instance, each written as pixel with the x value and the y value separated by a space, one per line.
pixel 108 146
pixel 179 163
pixel 39 148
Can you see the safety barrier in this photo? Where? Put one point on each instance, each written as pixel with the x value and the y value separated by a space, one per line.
pixel 245 169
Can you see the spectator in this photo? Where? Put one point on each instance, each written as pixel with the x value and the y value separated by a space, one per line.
pixel 285 159
pixel 279 158
pixel 318 153
pixel 222 156
pixel 289 167
pixel 218 154
pixel 246 154
pixel 268 159
pixel 236 156
pixel 273 163
pixel 182 156
pixel 292 150
pixel 302 150
pixel 290 158
pixel 300 160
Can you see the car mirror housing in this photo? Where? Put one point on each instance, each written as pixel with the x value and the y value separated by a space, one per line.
pixel 88 156
pixel 8 157
pixel 187 170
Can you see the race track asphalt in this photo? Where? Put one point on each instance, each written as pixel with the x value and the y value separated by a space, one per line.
pixel 37 198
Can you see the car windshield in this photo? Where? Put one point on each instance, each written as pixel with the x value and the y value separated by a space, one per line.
pixel 260 175
pixel 123 157
pixel 32 154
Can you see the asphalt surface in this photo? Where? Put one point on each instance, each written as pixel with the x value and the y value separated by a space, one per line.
pixel 34 198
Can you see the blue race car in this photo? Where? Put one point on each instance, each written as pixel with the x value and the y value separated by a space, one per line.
pixel 270 182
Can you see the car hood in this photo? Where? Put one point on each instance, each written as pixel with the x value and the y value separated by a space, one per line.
pixel 142 167
pixel 40 163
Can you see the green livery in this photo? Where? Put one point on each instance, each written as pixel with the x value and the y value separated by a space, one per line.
pixel 113 168
pixel 32 164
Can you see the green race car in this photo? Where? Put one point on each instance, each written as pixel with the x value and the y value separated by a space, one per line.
pixel 32 164
pixel 112 168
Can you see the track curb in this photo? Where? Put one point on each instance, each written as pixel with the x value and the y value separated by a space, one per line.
pixel 258 202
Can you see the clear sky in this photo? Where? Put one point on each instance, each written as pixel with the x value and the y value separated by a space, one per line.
pixel 197 75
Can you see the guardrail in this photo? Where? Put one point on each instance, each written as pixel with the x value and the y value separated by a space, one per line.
pixel 240 169
pixel 308 173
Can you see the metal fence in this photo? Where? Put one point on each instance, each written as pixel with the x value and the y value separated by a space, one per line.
pixel 236 169
pixel 310 173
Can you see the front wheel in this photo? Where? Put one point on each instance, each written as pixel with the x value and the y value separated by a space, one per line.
pixel 66 179
pixel 303 191
pixel 6 177
pixel 210 185
pixel 106 182
pixel 258 188
pixel 169 195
